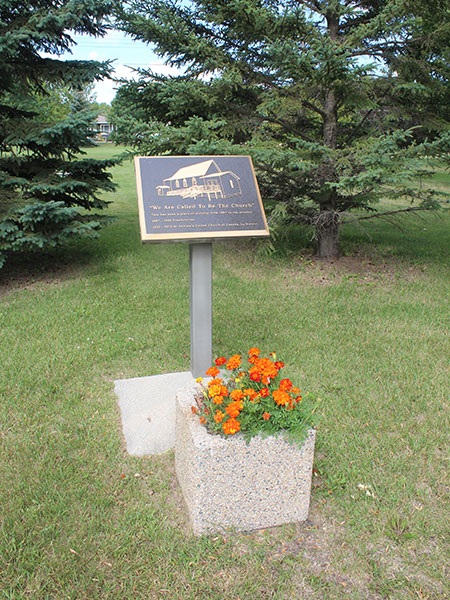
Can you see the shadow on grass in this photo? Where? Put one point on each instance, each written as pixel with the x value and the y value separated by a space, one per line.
pixel 60 264
pixel 417 237
pixel 424 238
pixel 69 261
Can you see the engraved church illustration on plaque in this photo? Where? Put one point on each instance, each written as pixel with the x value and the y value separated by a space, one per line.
pixel 201 180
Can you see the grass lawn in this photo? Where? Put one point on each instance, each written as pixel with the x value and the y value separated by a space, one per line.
pixel 369 334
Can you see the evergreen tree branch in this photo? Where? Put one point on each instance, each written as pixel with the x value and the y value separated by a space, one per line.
pixel 410 209
pixel 288 126
pixel 314 108
pixel 277 173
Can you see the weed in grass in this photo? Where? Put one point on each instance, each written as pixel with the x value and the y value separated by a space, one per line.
pixel 397 528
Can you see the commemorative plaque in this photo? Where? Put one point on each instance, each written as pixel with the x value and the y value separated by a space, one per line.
pixel 189 198
pixel 199 199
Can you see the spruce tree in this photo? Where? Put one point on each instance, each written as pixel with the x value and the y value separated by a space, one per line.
pixel 340 103
pixel 47 188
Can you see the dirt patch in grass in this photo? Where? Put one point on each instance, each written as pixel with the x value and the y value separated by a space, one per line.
pixel 330 561
pixel 358 267
pixel 324 560
pixel 362 266
pixel 17 276
pixel 310 548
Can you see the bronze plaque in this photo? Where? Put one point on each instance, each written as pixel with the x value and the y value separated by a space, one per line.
pixel 183 198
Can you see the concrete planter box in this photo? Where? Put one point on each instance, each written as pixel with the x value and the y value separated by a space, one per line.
pixel 229 483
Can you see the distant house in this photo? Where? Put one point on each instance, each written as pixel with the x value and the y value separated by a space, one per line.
pixel 104 128
pixel 201 180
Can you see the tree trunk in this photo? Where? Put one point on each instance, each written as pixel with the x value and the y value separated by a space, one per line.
pixel 327 232
pixel 327 223
pixel 330 104
pixel 328 242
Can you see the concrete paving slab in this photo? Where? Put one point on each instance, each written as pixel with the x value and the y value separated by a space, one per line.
pixel 147 408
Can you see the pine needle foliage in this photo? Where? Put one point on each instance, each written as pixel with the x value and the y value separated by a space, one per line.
pixel 47 187
pixel 339 103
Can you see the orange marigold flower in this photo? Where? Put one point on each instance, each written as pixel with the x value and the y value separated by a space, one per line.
pixel 218 399
pixel 234 362
pixel 279 364
pixel 212 372
pixel 234 408
pixel 237 394
pixel 266 367
pixel 220 361
pixel 281 397
pixel 231 426
pixel 298 399
pixel 214 390
pixel 254 352
pixel 296 391
pixel 266 416
pixel 217 390
pixel 250 392
pixel 285 384
pixel 264 392
pixel 194 410
pixel 218 417
pixel 202 420
pixel 216 381
pixel 254 374
pixel 252 359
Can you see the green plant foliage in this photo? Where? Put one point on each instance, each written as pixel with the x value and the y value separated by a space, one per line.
pixel 339 103
pixel 46 185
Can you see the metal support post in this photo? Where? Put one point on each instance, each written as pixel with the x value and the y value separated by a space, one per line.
pixel 200 260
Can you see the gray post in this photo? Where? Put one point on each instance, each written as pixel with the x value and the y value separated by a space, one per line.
pixel 200 260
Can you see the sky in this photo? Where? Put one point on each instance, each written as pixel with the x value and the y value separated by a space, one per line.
pixel 126 53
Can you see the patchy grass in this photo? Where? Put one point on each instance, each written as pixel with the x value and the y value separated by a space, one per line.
pixel 369 334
